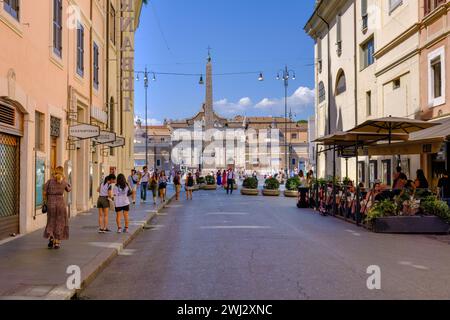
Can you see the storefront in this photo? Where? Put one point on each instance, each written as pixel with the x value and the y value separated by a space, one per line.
pixel 11 130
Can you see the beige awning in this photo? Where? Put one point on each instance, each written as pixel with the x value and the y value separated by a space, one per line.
pixel 426 141
pixel 341 138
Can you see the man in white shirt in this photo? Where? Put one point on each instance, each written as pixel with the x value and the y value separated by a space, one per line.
pixel 230 181
pixel 144 184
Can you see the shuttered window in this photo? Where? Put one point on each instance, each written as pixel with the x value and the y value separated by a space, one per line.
pixel 12 7
pixel 57 27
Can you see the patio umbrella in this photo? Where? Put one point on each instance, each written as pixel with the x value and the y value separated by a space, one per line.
pixel 391 125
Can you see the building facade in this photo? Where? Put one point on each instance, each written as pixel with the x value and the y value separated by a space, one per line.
pixel 367 66
pixel 56 71
pixel 261 151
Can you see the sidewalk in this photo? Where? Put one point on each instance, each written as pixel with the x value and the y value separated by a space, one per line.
pixel 28 270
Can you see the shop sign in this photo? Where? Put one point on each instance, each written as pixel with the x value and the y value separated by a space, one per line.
pixel 347 153
pixel 119 142
pixel 84 131
pixel 105 137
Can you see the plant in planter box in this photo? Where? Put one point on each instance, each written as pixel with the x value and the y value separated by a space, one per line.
pixel 210 181
pixel 431 205
pixel 321 182
pixel 250 183
pixel 382 209
pixel 346 180
pixel 201 180
pixel 272 184
pixel 292 184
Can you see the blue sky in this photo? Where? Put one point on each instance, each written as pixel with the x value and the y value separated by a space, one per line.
pixel 245 36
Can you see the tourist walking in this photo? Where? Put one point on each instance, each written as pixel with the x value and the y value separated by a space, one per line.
pixel 122 192
pixel 224 179
pixel 162 186
pixel 421 182
pixel 177 185
pixel 57 227
pixel 144 184
pixel 103 202
pixel 189 186
pixel 133 181
pixel 153 185
pixel 219 178
pixel 231 176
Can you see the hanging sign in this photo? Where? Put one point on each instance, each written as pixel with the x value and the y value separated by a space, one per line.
pixel 105 137
pixel 347 152
pixel 119 142
pixel 84 131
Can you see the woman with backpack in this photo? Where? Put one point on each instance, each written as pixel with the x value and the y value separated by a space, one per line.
pixel 133 181
pixel 103 202
pixel 177 185
pixel 189 185
pixel 162 186
pixel 121 192
pixel 153 185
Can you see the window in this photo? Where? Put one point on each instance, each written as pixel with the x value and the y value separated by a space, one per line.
pixel 80 49
pixel 369 103
pixel 321 92
pixel 294 136
pixel 96 66
pixel 396 84
pixel 431 5
pixel 368 50
pixel 394 4
pixel 341 85
pixel 158 162
pixel 57 27
pixel 12 7
pixel 39 131
pixel 364 15
pixel 436 77
pixel 373 172
pixel 294 162
pixel 112 24
pixel 362 171
pixel 339 35
pixel 319 54
pixel 386 178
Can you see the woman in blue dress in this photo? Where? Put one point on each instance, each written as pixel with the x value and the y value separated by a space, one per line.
pixel 219 178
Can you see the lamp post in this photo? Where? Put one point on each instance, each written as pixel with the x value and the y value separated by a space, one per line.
pixel 286 74
pixel 145 73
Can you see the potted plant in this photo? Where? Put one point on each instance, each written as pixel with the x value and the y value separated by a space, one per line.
pixel 271 188
pixel 250 187
pixel 386 217
pixel 210 183
pixel 200 183
pixel 292 185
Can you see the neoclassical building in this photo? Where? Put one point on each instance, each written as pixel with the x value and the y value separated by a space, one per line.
pixel 252 129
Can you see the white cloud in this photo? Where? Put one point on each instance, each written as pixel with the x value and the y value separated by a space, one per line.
pixel 228 108
pixel 151 121
pixel 300 102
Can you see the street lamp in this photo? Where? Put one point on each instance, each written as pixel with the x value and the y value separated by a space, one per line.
pixel 145 73
pixel 286 74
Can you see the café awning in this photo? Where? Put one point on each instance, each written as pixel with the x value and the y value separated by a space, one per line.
pixel 426 141
pixel 343 139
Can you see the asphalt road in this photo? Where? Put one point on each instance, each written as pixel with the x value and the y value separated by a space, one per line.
pixel 235 247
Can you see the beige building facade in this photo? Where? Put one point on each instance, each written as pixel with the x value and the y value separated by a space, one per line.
pixel 376 45
pixel 56 71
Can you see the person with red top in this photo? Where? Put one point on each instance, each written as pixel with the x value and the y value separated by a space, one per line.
pixel 224 179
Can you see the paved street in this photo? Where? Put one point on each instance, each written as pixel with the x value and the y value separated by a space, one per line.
pixel 219 247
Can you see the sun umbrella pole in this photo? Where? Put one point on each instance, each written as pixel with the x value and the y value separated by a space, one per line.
pixel 357 184
pixel 333 181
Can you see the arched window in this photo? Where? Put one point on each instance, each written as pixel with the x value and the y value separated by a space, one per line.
pixel 322 93
pixel 341 85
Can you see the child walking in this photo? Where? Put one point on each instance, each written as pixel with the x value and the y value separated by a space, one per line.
pixel 122 192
